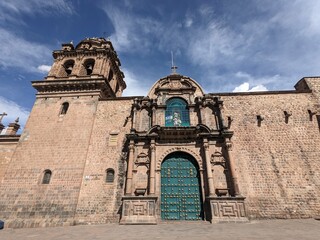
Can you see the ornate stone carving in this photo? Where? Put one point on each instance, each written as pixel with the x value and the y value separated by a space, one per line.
pixel 85 46
pixel 175 84
pixel 142 159
pixel 139 210
pixel 228 209
pixel 218 159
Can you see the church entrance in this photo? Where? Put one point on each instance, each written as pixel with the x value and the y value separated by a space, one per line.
pixel 180 188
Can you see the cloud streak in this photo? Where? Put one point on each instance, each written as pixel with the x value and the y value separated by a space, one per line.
pixel 20 53
pixel 10 10
pixel 277 44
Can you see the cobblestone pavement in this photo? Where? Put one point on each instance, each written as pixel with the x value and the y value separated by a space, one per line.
pixel 265 229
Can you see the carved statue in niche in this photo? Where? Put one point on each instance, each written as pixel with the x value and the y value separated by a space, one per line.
pixel 219 170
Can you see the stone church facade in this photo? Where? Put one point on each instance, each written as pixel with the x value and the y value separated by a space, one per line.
pixel 87 155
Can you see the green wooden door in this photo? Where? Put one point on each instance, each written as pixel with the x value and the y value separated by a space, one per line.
pixel 180 188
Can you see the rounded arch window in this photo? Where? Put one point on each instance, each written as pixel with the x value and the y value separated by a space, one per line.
pixel 46 176
pixel 109 175
pixel 89 65
pixel 177 113
pixel 64 108
pixel 68 66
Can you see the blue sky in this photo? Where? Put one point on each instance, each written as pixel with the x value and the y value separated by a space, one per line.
pixel 225 45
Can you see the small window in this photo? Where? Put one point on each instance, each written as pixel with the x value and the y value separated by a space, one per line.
pixel 68 66
pixel 46 177
pixel 109 175
pixel 64 108
pixel 89 64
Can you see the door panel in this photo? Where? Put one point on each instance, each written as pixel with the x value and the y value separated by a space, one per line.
pixel 180 188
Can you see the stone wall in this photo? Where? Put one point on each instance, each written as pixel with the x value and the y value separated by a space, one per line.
pixel 278 162
pixel 49 141
pixel 7 148
pixel 99 201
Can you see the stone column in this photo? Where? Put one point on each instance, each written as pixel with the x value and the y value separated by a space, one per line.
pixel 134 118
pixel 208 167
pixel 201 109
pixel 130 168
pixel 154 111
pixel 152 167
pixel 228 147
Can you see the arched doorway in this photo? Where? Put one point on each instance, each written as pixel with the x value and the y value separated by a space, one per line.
pixel 180 188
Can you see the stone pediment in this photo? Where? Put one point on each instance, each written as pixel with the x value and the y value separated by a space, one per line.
pixel 174 84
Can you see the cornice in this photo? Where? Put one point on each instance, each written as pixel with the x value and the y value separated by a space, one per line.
pixel 70 85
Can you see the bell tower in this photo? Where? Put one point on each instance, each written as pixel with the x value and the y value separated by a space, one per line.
pixel 91 67
pixel 53 147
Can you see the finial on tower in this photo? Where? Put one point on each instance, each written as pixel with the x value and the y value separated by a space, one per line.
pixel 173 67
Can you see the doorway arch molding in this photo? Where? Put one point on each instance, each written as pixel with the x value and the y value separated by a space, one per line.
pixel 196 156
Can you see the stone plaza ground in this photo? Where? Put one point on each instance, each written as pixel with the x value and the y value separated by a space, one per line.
pixel 302 229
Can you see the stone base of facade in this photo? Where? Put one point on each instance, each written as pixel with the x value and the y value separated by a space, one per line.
pixel 227 209
pixel 138 210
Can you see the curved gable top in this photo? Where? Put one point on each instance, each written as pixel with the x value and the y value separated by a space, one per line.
pixel 174 83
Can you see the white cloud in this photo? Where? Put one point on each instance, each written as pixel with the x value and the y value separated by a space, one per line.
pixel 20 53
pixel 134 85
pixel 245 87
pixel 14 111
pixel 44 68
pixel 258 88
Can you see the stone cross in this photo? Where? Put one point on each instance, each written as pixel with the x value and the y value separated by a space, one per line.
pixel 2 115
